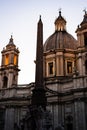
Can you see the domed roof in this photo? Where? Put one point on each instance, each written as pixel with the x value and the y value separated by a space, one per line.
pixel 60 39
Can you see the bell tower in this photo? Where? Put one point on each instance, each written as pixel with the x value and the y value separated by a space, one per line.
pixel 82 32
pixel 9 65
pixel 82 45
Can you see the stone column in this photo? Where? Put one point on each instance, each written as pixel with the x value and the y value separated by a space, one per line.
pixel 80 63
pixel 10 79
pixel 9 119
pixel 79 109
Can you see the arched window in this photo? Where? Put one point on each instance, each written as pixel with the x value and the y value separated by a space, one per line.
pixel 5 82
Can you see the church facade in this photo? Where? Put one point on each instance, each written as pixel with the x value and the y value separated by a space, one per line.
pixel 65 80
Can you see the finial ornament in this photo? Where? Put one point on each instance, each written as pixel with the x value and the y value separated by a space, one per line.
pixel 59 11
pixel 11 36
pixel 85 11
pixel 11 39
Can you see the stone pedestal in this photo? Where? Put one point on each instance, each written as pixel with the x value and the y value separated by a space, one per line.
pixel 39 119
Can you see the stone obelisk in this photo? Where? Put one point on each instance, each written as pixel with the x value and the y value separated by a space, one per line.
pixel 38 96
pixel 39 117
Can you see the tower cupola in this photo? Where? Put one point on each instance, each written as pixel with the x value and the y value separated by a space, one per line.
pixel 60 23
pixel 82 45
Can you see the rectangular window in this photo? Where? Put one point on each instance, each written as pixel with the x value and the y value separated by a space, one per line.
pixel 50 68
pixel 69 67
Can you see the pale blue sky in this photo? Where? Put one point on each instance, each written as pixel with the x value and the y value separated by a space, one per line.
pixel 19 18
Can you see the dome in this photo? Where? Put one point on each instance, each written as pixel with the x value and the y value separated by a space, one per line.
pixel 60 40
